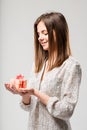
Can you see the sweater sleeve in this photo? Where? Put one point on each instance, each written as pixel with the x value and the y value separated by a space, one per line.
pixel 26 107
pixel 63 108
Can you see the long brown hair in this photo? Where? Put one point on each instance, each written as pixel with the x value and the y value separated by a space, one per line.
pixel 58 37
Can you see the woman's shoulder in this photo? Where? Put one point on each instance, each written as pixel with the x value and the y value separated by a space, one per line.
pixel 72 60
pixel 72 63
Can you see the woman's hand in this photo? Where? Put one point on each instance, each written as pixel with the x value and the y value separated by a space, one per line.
pixel 24 92
pixel 18 82
pixel 11 88
pixel 21 91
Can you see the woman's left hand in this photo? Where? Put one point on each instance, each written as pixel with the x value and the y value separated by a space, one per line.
pixel 29 91
pixel 20 91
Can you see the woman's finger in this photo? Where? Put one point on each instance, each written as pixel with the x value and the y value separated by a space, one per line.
pixel 11 88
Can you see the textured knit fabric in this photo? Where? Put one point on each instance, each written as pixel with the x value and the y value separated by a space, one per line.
pixel 62 85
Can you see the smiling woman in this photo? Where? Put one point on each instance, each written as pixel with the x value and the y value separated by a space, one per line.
pixel 52 92
pixel 42 35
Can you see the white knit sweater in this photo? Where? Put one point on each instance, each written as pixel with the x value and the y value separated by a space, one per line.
pixel 62 85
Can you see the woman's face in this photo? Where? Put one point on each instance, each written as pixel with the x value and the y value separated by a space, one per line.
pixel 42 35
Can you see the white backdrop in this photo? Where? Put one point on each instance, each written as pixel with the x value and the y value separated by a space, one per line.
pixel 16 53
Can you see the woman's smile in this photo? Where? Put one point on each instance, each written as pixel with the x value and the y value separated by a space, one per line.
pixel 42 35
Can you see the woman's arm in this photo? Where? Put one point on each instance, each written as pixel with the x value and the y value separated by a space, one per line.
pixel 30 91
pixel 41 96
pixel 63 109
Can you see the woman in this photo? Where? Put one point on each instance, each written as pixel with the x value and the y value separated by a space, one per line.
pixel 54 86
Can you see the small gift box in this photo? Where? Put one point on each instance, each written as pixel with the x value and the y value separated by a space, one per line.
pixel 19 82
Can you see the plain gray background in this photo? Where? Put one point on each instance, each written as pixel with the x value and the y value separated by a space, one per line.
pixel 16 53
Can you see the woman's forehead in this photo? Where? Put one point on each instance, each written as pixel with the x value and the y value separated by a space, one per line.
pixel 41 27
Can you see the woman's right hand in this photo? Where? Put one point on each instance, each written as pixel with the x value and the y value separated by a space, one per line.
pixel 11 88
pixel 14 90
pixel 15 83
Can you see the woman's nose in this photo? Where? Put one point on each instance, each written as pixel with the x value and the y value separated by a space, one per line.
pixel 40 37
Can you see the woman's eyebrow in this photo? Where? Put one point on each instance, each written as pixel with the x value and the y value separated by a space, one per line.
pixel 42 31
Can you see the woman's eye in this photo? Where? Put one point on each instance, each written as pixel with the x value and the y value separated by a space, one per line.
pixel 46 34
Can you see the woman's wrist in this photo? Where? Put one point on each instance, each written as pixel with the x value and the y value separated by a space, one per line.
pixel 26 101
pixel 42 96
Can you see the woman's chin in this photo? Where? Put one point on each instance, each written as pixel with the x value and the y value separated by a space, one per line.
pixel 45 48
